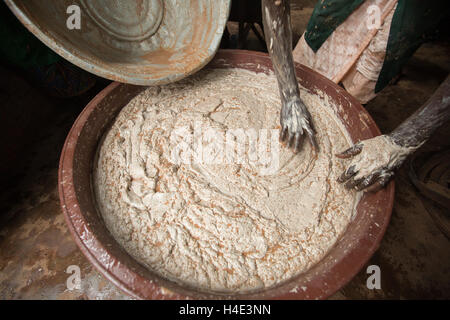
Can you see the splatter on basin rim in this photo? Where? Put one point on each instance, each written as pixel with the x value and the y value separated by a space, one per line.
pixel 145 42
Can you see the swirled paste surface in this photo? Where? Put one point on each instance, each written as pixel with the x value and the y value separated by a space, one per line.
pixel 226 226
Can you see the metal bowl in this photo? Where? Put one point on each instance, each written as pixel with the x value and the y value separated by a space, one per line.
pixel 145 42
pixel 344 260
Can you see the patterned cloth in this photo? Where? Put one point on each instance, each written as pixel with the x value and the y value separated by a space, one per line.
pixel 366 48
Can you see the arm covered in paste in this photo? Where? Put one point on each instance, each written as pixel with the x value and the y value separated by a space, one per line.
pixel 375 160
pixel 295 118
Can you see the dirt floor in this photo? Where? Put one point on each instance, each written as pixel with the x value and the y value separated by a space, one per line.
pixel 36 248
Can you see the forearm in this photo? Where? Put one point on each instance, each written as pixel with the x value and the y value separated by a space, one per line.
pixel 277 29
pixel 415 130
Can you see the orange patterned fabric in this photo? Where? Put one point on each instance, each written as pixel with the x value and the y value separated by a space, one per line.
pixel 354 53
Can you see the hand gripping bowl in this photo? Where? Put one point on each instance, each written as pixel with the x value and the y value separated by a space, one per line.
pixel 344 260
pixel 145 42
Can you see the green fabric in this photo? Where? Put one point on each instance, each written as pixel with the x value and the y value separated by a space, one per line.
pixel 414 22
pixel 20 47
pixel 326 17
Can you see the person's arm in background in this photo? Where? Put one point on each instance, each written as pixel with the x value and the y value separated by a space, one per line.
pixel 295 118
pixel 376 159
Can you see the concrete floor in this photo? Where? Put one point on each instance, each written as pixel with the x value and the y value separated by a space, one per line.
pixel 36 248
